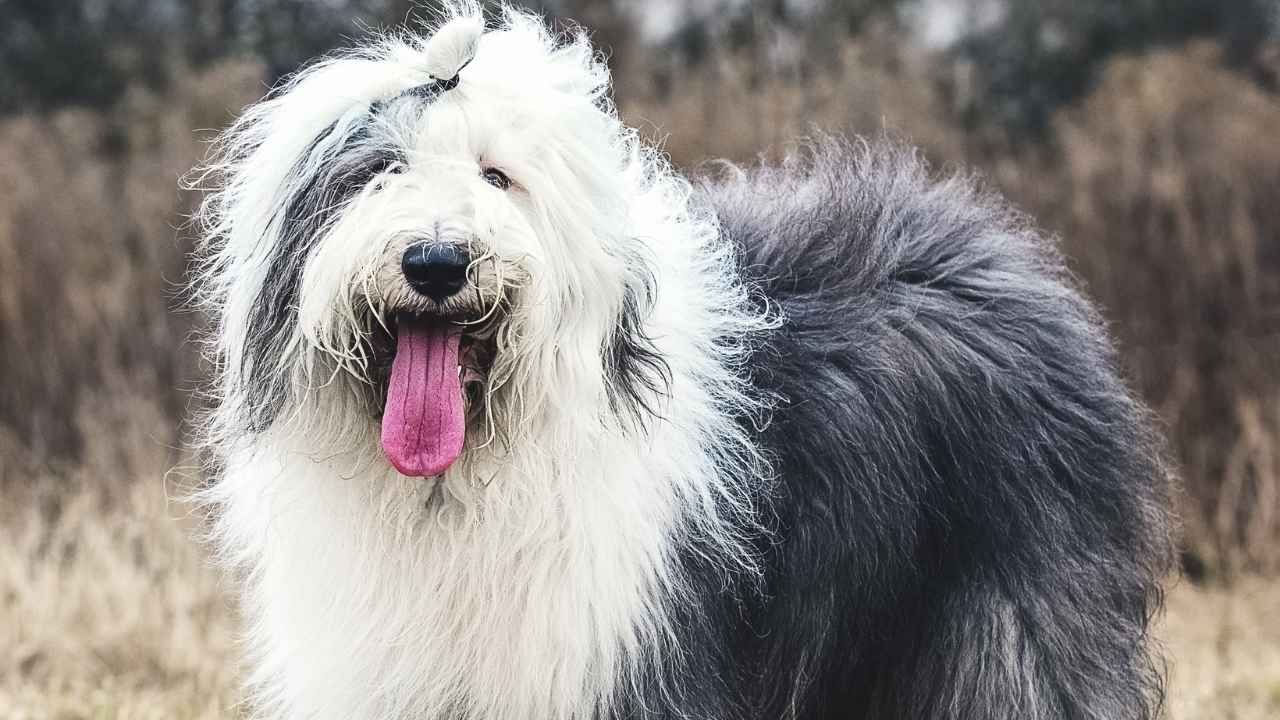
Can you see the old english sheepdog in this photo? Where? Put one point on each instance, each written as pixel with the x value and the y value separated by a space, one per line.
pixel 512 422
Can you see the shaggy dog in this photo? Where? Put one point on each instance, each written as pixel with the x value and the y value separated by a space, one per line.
pixel 514 423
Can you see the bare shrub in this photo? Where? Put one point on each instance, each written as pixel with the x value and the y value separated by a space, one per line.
pixel 1168 196
pixel 746 103
pixel 89 256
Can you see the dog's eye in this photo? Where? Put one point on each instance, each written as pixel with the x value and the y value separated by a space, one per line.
pixel 497 178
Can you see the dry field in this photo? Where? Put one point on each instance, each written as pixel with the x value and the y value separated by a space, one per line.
pixel 108 608
pixel 110 611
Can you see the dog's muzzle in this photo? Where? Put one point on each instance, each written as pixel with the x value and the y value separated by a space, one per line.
pixel 439 348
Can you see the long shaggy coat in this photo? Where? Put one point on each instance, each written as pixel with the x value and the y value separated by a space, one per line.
pixel 831 439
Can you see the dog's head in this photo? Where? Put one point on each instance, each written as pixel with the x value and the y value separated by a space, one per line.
pixel 436 236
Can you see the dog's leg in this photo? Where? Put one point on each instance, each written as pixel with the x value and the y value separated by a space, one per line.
pixel 1005 649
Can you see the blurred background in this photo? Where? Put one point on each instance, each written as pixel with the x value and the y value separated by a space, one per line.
pixel 1144 133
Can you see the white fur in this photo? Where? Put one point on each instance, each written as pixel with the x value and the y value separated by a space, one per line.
pixel 532 578
pixel 453 46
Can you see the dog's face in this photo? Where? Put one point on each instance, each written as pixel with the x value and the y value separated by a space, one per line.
pixel 437 238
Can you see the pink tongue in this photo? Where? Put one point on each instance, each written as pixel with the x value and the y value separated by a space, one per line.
pixel 423 424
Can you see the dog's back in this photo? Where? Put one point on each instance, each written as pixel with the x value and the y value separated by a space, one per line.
pixel 971 509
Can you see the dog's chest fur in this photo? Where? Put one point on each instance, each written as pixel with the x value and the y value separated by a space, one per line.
pixel 373 595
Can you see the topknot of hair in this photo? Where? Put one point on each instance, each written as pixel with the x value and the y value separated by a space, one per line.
pixel 452 47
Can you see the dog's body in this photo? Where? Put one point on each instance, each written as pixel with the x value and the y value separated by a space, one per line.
pixel 827 440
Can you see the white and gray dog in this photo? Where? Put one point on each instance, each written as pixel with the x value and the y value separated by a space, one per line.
pixel 514 423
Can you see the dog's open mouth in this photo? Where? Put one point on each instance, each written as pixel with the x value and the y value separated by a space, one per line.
pixel 425 416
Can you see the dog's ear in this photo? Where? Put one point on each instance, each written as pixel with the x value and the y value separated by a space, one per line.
pixel 639 378
pixel 335 167
pixel 302 149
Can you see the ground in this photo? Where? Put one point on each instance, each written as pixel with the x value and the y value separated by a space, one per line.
pixel 109 609
pixel 1223 648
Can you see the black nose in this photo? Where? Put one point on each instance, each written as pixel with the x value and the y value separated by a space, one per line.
pixel 436 270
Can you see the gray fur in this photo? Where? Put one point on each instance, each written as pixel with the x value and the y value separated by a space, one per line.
pixel 971 519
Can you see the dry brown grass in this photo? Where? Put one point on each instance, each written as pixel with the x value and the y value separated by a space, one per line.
pixel 110 611
pixel 1223 647
pixel 107 609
